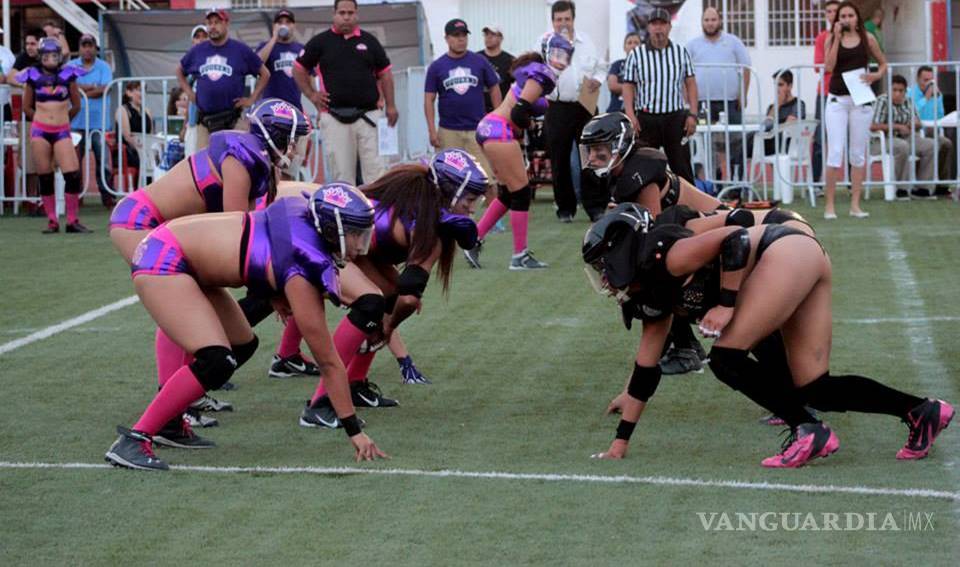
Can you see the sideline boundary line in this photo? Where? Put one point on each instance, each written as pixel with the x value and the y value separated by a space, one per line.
pixel 547 477
pixel 48 332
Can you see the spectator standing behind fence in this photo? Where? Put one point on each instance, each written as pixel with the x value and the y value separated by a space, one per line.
pixel 27 58
pixel 459 78
pixel 95 105
pixel 657 76
pixel 905 122
pixel 133 121
pixel 7 60
pixel 615 73
pixel 219 67
pixel 848 48
pixel 197 35
pixel 566 117
pixel 279 54
pixel 354 68
pixel 721 88
pixel 823 87
pixel 501 62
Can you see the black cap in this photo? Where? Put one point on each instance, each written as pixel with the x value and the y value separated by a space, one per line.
pixel 455 25
pixel 661 14
pixel 284 14
pixel 87 38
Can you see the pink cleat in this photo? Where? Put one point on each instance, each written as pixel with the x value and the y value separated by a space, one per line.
pixel 806 442
pixel 926 421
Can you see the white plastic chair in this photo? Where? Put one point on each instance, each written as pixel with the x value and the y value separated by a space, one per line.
pixel 795 164
pixel 886 165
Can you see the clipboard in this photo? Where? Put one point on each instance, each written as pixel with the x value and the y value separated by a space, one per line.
pixel 588 99
pixel 860 92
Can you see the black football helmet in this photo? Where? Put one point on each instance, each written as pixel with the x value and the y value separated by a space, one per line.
pixel 606 141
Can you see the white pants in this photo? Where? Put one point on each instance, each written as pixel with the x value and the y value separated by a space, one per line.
pixel 840 114
pixel 344 143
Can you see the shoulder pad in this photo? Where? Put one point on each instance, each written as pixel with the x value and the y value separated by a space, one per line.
pixel 459 227
pixel 28 75
pixel 71 73
pixel 247 149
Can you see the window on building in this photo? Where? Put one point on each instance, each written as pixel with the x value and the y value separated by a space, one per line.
pixel 737 16
pixel 250 4
pixel 793 23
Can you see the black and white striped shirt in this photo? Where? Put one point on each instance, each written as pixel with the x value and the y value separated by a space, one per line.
pixel 658 75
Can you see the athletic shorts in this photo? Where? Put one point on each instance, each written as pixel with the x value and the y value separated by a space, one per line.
pixel 50 133
pixel 159 254
pixel 136 211
pixel 495 128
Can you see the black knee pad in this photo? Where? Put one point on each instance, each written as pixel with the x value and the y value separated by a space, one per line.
pixel 521 199
pixel 730 366
pixel 73 183
pixel 46 184
pixel 740 217
pixel 504 195
pixel 245 351
pixel 255 309
pixel 213 366
pixel 366 313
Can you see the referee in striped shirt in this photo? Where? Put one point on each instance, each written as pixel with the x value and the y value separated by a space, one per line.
pixel 655 76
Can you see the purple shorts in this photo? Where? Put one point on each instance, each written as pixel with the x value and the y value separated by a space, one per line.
pixel 136 211
pixel 52 134
pixel 159 254
pixel 495 128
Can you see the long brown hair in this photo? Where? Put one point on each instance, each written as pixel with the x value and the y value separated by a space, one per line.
pixel 860 29
pixel 413 196
pixel 523 59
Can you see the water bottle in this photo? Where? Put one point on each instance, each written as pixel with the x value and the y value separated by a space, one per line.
pixel 283 32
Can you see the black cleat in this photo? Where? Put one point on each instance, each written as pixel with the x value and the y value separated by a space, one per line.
pixel 178 434
pixel 292 366
pixel 366 394
pixel 134 450
pixel 681 361
pixel 77 228
pixel 322 414
pixel 53 227
pixel 926 422
pixel 473 255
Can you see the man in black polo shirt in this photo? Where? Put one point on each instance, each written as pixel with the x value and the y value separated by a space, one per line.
pixel 351 64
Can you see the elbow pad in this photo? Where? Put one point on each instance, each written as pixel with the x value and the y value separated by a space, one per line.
pixel 412 281
pixel 520 115
pixel 735 250
pixel 739 217
pixel 643 381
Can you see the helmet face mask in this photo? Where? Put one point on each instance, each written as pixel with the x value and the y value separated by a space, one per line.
pixel 558 58
pixel 607 140
pixel 611 246
pixel 557 51
pixel 278 124
pixel 343 216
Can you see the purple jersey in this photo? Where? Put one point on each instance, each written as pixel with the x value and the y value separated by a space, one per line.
pixel 242 146
pixel 280 64
pixel 220 72
pixel 49 87
pixel 284 237
pixel 383 247
pixel 459 84
pixel 540 73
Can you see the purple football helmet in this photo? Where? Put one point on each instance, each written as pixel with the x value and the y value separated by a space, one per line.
pixel 49 46
pixel 340 209
pixel 556 50
pixel 278 124
pixel 457 173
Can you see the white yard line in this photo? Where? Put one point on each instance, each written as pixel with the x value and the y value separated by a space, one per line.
pixel 68 324
pixel 899 320
pixel 573 478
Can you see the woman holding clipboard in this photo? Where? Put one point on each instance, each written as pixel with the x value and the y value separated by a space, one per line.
pixel 848 48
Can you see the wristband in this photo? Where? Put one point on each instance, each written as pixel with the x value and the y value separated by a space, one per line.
pixel 727 297
pixel 625 429
pixel 351 425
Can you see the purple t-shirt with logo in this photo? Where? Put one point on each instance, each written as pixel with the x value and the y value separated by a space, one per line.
pixel 220 72
pixel 459 84
pixel 280 64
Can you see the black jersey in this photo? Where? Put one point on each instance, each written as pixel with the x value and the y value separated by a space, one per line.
pixel 643 167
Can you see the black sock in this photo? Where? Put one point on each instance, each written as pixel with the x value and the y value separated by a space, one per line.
pixel 772 356
pixel 857 393
pixel 734 368
pixel 681 333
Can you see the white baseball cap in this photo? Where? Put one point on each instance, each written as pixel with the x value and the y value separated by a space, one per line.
pixel 494 28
